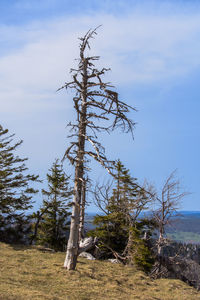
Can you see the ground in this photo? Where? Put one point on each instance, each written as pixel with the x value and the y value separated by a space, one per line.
pixel 29 273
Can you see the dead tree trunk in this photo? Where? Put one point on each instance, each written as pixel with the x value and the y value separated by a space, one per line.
pixel 73 243
pixel 82 212
pixel 93 101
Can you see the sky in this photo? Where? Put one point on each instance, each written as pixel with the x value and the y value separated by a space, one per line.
pixel 153 50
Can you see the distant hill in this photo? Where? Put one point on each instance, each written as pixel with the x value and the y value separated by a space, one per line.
pixel 184 228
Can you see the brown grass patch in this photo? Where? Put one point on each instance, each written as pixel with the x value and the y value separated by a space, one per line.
pixel 27 273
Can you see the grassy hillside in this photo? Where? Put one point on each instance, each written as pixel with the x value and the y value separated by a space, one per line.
pixel 28 273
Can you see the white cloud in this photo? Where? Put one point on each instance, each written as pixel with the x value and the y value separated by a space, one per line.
pixel 140 48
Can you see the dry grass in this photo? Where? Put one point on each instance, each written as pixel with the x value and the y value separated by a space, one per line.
pixel 27 273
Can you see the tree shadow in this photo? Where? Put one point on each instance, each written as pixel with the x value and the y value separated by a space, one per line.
pixel 20 247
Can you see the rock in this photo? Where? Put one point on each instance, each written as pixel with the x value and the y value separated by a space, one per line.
pixel 87 255
pixel 178 267
pixel 185 269
pixel 87 244
pixel 45 249
pixel 114 260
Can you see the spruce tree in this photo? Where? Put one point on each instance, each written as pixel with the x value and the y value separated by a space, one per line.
pixel 120 230
pixel 15 191
pixel 54 226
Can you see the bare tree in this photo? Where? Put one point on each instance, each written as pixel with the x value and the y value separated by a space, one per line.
pixel 102 194
pixel 168 204
pixel 98 109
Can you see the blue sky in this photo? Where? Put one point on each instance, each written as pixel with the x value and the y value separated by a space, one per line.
pixel 153 49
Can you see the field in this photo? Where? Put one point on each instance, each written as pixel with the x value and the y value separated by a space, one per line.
pixel 184 228
pixel 184 237
pixel 29 273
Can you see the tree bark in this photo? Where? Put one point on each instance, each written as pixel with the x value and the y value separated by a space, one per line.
pixel 160 244
pixel 82 212
pixel 72 246
pixel 73 242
